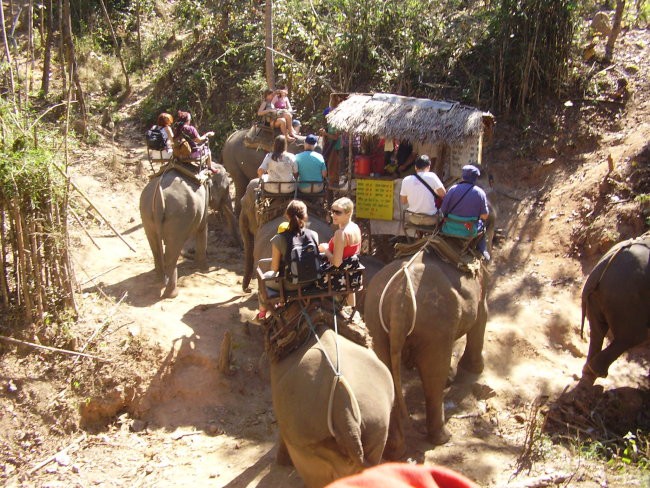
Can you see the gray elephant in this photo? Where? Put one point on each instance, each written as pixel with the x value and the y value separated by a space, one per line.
pixel 616 300
pixel 173 208
pixel 242 162
pixel 330 426
pixel 257 240
pixel 447 304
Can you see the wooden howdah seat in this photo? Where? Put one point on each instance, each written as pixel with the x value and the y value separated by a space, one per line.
pixel 164 157
pixel 285 295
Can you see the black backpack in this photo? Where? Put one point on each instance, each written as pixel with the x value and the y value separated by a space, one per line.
pixel 156 138
pixel 302 258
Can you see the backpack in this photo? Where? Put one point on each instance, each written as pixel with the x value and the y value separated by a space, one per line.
pixel 302 258
pixel 156 138
pixel 181 149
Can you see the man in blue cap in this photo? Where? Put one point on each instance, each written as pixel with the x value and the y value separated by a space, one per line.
pixel 465 209
pixel 311 167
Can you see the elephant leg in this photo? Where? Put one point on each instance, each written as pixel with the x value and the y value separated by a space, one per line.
pixel 597 331
pixel 635 334
pixel 433 363
pixel 374 449
pixel 155 244
pixel 202 246
pixel 319 465
pixel 282 457
pixel 472 359
pixel 395 443
pixel 172 252
pixel 226 208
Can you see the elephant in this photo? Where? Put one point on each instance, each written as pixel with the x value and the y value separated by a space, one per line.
pixel 616 299
pixel 242 162
pixel 173 208
pixel 330 426
pixel 257 241
pixel 447 303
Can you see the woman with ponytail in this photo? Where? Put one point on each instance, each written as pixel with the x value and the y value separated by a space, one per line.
pixel 296 215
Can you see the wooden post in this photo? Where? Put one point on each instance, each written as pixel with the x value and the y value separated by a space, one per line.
pixel 223 364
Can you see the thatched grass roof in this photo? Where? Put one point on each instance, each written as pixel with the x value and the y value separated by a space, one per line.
pixel 413 119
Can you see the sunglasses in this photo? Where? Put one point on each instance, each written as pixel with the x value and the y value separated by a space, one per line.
pixel 336 211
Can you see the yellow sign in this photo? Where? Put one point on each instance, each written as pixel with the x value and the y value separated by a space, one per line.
pixel 375 199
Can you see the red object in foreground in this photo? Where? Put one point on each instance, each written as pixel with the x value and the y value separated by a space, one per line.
pixel 400 475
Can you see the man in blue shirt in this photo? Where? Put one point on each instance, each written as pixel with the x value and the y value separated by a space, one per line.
pixel 466 209
pixel 311 167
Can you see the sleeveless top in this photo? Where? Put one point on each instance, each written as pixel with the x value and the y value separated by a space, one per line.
pixel 348 251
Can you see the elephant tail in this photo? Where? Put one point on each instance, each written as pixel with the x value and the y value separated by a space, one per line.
pixel 397 341
pixel 344 420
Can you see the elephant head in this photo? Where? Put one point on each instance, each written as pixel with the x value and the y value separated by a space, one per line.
pixel 220 200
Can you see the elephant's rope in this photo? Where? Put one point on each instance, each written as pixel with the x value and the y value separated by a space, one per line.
pixel 338 376
pixel 409 281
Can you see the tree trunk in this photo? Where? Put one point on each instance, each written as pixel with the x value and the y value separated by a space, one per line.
pixel 117 47
pixel 64 70
pixel 7 53
pixel 138 12
pixel 616 29
pixel 72 61
pixel 268 28
pixel 47 53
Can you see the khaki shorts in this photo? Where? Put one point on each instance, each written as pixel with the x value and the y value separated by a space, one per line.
pixel 421 219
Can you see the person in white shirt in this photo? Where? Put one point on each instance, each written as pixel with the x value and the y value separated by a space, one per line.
pixel 419 192
pixel 279 168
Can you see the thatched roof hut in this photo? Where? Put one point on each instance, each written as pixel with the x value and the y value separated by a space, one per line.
pixel 406 118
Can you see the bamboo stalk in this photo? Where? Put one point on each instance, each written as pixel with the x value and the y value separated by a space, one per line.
pixel 53 349
pixel 4 285
pixel 37 267
pixel 23 289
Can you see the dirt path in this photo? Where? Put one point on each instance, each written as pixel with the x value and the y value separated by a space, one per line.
pixel 181 421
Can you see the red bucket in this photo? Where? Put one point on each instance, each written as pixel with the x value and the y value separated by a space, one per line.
pixel 362 165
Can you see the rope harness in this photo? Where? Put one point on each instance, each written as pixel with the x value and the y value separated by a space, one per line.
pixel 338 376
pixel 409 281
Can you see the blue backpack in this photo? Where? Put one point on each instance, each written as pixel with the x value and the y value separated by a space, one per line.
pixel 156 138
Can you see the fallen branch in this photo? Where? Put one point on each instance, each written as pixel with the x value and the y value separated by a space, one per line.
pixel 214 279
pixel 180 435
pixel 80 191
pixel 542 481
pixel 100 274
pixel 104 323
pixel 52 349
pixel 83 227
pixel 79 439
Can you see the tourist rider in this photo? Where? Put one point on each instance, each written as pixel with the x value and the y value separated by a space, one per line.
pixel 274 117
pixel 311 167
pixel 197 142
pixel 278 168
pixel 342 251
pixel 296 215
pixel 465 209
pixel 419 192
